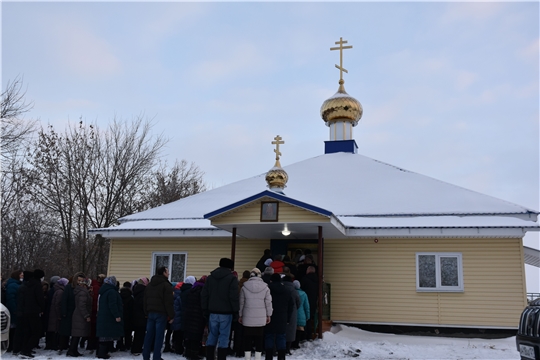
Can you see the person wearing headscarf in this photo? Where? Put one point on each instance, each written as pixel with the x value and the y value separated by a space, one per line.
pixel 55 313
pixel 180 293
pixel 302 315
pixel 193 320
pixel 80 324
pixel 138 316
pixel 96 283
pixel 67 308
pixel 109 325
pixel 255 312
pixel 291 326
pixel 276 329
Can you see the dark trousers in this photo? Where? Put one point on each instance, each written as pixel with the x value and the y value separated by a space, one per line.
pixel 27 334
pixel 238 338
pixel 138 339
pixel 178 341
pixel 250 341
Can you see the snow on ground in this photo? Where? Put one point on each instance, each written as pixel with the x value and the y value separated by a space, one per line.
pixel 344 342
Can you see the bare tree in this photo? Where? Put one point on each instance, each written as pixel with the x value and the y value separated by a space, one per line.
pixel 16 131
pixel 181 181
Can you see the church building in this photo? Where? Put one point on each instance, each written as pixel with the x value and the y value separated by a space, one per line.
pixel 393 247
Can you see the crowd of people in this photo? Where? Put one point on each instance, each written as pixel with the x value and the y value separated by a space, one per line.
pixel 270 310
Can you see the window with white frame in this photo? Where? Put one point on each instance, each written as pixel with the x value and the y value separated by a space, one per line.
pixel 174 261
pixel 439 272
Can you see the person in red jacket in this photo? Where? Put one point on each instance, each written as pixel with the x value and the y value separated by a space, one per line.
pixel 277 264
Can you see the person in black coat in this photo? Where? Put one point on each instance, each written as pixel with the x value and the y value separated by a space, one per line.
pixel 109 323
pixel 30 306
pixel 310 284
pixel 267 255
pixel 138 316
pixel 128 302
pixel 275 331
pixel 193 320
pixel 50 341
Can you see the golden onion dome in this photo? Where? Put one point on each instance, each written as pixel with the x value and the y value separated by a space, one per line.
pixel 341 106
pixel 276 177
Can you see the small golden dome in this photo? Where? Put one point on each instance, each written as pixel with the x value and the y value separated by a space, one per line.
pixel 276 177
pixel 341 106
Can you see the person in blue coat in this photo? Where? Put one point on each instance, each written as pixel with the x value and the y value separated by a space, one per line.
pixel 301 317
pixel 109 323
pixel 12 286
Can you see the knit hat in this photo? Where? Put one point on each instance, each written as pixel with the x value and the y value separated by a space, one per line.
pixel 268 271
pixel 111 280
pixel 267 262
pixel 178 285
pixel 227 263
pixel 296 284
pixel 54 279
pixel 255 273
pixel 275 278
pixel 62 281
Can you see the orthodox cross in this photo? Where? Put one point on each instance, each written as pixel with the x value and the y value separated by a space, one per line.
pixel 277 142
pixel 341 48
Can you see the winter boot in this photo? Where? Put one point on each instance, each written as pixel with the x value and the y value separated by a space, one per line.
pixel 281 354
pixel 268 354
pixel 248 355
pixel 222 353
pixel 258 355
pixel 73 352
pixel 288 348
pixel 103 349
pixel 210 352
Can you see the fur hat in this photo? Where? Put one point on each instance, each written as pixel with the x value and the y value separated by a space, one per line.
pixel 268 262
pixel 227 263
pixel 38 274
pixel 62 281
pixel 296 284
pixel 190 280
pixel 268 271
pixel 54 279
pixel 255 273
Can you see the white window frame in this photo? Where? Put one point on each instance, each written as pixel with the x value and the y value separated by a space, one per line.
pixel 169 266
pixel 439 287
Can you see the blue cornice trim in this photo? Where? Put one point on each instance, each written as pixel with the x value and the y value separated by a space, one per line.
pixel 272 195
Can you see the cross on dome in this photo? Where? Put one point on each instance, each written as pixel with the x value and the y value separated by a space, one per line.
pixel 277 141
pixel 341 48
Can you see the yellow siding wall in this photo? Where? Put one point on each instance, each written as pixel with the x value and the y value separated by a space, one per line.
pixel 252 214
pixel 376 282
pixel 131 259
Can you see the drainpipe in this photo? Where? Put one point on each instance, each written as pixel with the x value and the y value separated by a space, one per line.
pixel 233 245
pixel 321 269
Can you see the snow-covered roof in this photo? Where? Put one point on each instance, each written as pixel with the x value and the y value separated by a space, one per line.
pixel 362 193
pixel 346 184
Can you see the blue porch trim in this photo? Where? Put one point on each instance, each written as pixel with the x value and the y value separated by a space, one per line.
pixel 273 195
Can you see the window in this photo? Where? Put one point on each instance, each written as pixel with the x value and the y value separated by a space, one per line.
pixel 439 272
pixel 175 262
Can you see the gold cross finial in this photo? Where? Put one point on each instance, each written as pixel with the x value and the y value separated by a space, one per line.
pixel 341 48
pixel 277 141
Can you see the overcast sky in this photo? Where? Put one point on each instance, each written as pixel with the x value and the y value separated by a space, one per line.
pixel 449 90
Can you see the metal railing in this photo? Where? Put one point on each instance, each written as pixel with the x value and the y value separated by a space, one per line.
pixel 532 296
